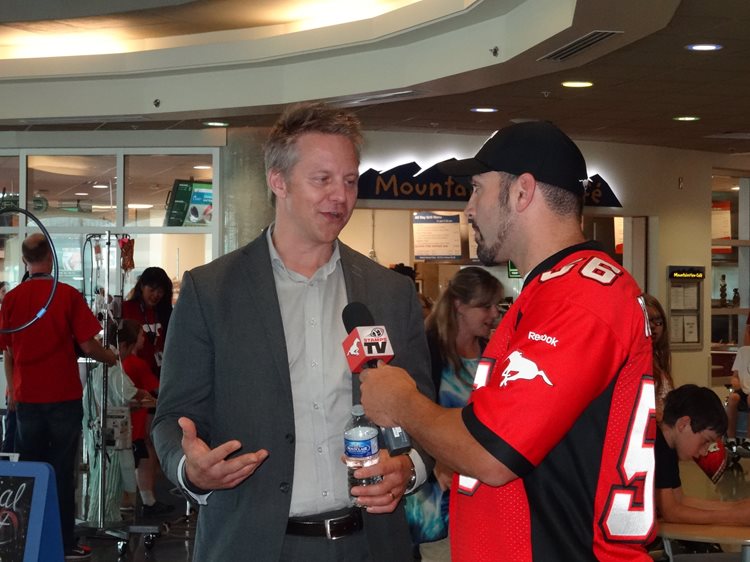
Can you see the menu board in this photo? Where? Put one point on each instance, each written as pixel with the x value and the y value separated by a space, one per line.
pixel 437 237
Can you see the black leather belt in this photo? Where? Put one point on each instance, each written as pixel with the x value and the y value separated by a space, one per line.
pixel 331 527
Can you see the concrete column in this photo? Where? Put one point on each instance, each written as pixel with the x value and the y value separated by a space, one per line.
pixel 245 203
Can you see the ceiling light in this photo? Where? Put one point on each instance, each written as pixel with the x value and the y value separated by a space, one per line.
pixel 103 207
pixel 140 206
pixel 686 118
pixel 216 124
pixel 201 167
pixel 82 194
pixel 100 186
pixel 484 109
pixel 577 84
pixel 383 96
pixel 703 47
pixel 735 188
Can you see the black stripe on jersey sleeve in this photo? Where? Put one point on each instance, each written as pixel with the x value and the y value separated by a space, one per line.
pixel 496 446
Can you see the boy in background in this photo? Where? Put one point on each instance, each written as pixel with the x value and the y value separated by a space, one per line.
pixel 694 419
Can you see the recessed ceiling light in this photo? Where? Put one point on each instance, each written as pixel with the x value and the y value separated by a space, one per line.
pixel 686 118
pixel 703 47
pixel 201 167
pixel 577 84
pixel 139 206
pixel 484 109
pixel 735 188
pixel 216 124
pixel 100 186
pixel 82 194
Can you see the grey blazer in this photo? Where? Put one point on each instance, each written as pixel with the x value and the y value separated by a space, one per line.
pixel 225 366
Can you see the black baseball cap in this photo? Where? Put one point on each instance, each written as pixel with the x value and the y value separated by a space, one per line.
pixel 536 147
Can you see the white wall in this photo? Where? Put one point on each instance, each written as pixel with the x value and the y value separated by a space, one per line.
pixel 671 187
pixel 393 235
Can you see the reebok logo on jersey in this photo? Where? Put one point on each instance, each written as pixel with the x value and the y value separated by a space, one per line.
pixel 543 337
pixel 520 368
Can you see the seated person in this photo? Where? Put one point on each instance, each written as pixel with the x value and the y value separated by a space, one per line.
pixel 694 418
pixel 738 399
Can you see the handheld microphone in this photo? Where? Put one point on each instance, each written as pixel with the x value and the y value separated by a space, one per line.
pixel 365 345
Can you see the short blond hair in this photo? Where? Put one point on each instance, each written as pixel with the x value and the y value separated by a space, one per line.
pixel 280 149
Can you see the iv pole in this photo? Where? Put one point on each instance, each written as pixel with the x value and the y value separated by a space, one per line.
pixel 124 531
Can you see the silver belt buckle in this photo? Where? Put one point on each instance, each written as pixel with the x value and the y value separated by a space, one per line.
pixel 327 524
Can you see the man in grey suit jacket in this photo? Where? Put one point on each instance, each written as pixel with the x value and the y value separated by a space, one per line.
pixel 255 389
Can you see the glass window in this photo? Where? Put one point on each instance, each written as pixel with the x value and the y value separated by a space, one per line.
pixel 10 256
pixel 175 253
pixel 75 197
pixel 9 178
pixel 72 190
pixel 168 190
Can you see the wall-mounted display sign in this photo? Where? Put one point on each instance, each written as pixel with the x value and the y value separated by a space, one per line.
pixel 436 236
pixel 687 272
pixel 190 204
pixel 684 306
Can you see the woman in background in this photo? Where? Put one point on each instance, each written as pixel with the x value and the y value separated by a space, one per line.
pixel 457 332
pixel 662 356
pixel 151 306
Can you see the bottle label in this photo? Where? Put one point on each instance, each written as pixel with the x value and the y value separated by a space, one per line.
pixel 361 444
pixel 360 449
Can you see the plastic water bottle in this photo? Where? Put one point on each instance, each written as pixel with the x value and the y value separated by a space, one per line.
pixel 360 446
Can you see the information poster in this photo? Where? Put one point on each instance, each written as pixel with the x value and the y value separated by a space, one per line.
pixel 690 328
pixel 676 329
pixel 684 305
pixel 436 237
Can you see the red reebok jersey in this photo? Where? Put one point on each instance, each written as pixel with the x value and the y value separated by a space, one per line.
pixel 565 399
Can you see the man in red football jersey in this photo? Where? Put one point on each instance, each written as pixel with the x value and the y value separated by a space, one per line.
pixel 554 454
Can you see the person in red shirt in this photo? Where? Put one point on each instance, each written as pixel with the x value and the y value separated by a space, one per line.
pixel 130 339
pixel 41 368
pixel 151 306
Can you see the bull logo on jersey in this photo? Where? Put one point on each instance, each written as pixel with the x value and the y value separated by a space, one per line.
pixel 520 368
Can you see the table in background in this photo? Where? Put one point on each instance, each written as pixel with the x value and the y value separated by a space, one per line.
pixel 722 534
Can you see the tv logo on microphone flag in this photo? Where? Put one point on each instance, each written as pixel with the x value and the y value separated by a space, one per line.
pixel 365 344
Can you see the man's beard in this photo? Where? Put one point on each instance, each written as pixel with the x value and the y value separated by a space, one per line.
pixel 497 252
pixel 486 254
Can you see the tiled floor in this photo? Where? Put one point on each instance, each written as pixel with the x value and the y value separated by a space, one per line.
pixel 164 539
pixel 174 542
pixel 170 538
